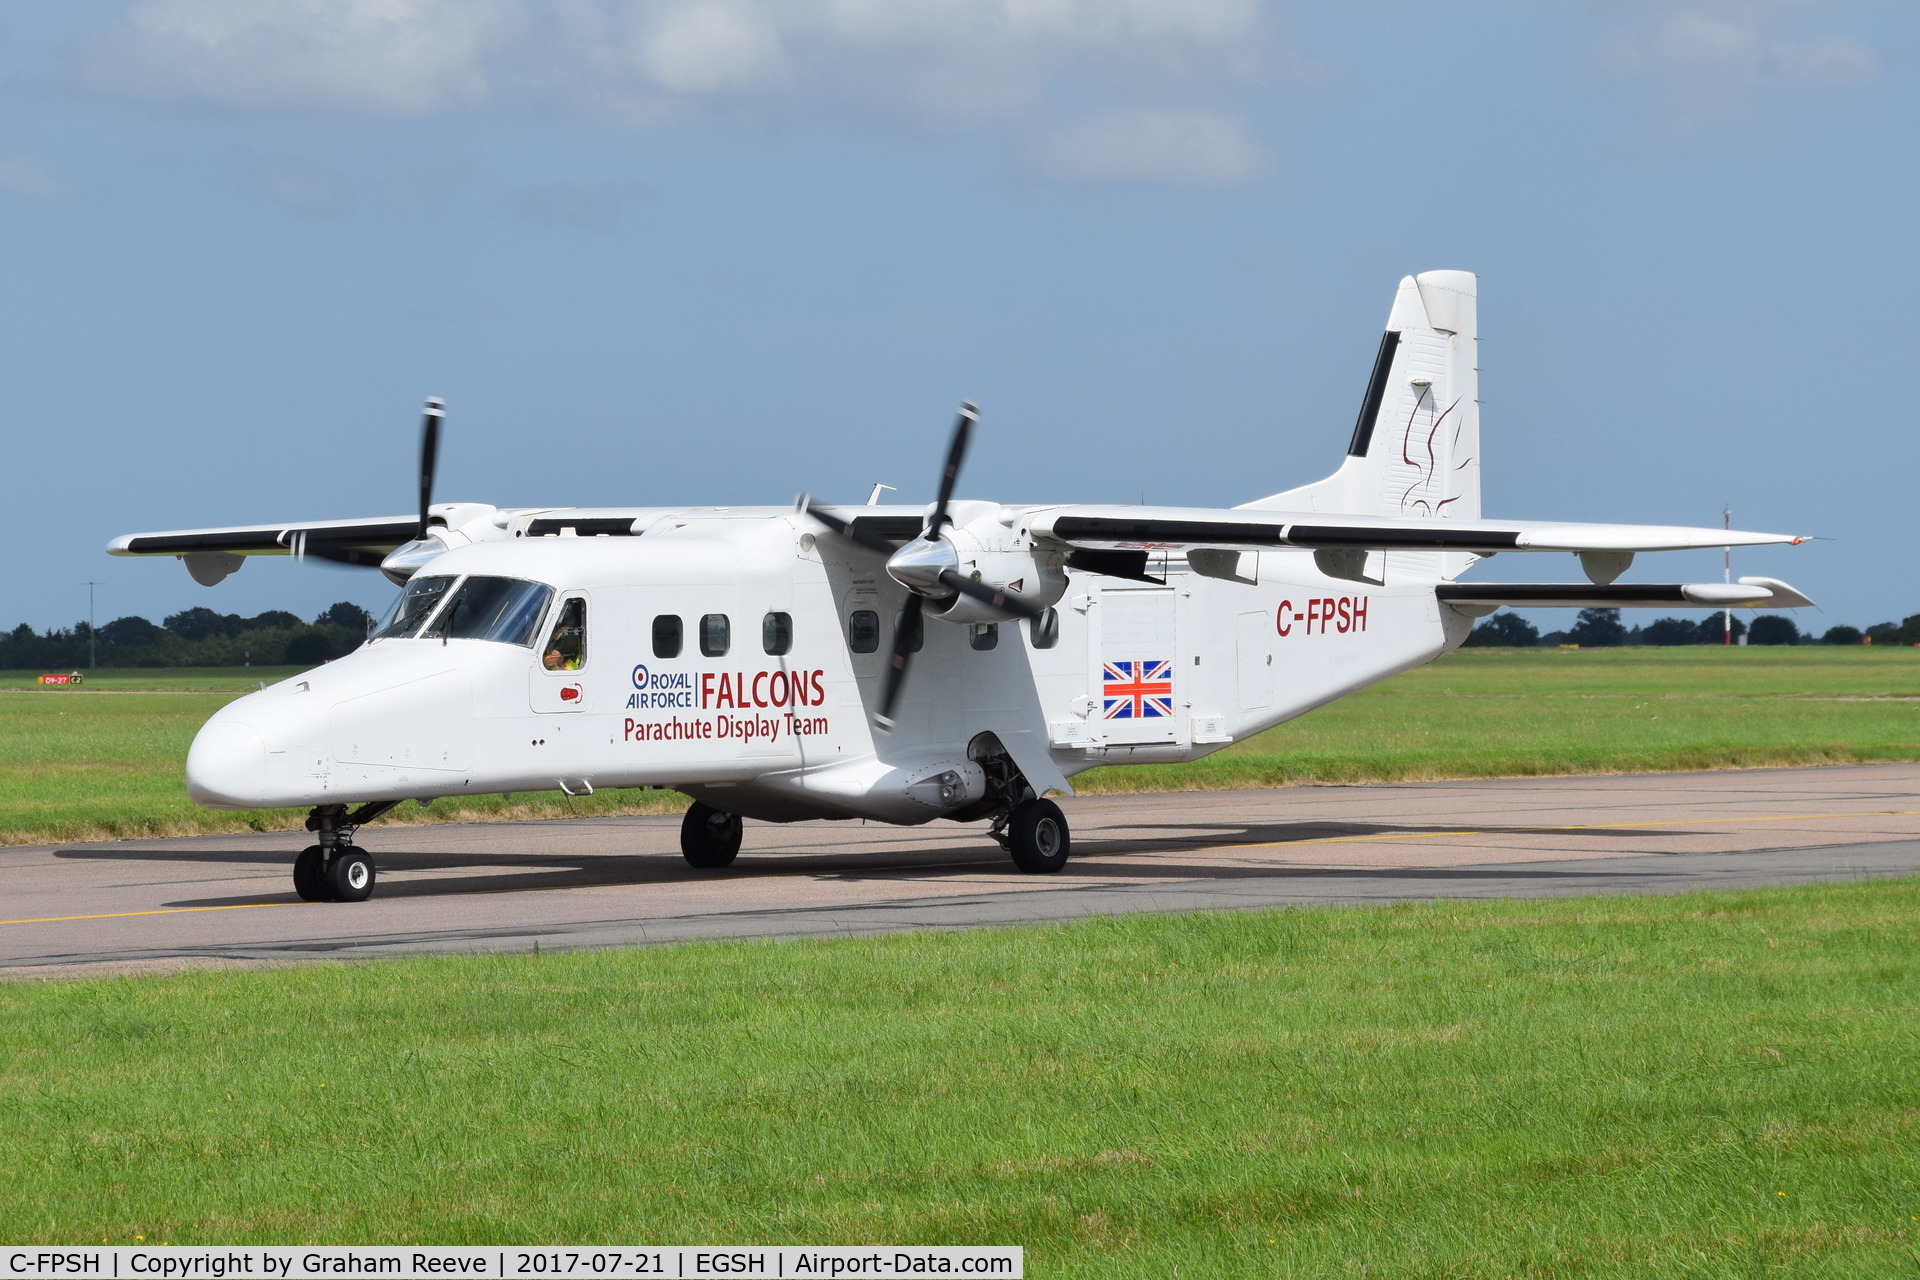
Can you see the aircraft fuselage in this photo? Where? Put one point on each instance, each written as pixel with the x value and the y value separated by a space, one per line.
pixel 737 657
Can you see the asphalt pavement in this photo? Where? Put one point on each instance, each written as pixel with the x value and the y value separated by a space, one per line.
pixel 141 905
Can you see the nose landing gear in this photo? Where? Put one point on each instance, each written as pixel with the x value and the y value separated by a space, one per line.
pixel 336 869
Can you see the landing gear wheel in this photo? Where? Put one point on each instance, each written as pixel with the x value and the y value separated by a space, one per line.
pixel 1037 836
pixel 309 879
pixel 350 875
pixel 709 838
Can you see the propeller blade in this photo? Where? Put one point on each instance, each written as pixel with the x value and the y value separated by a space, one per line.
pixel 429 454
pixel 846 528
pixel 956 454
pixel 992 597
pixel 904 643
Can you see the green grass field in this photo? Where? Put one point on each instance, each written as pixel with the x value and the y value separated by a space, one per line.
pixel 1510 712
pixel 1703 1085
pixel 104 760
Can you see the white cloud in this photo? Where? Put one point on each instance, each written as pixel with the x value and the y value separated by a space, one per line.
pixel 709 46
pixel 1716 53
pixel 399 57
pixel 1147 144
pixel 1002 65
pixel 25 180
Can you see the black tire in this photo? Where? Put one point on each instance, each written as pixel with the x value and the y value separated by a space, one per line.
pixel 709 837
pixel 1037 837
pixel 309 880
pixel 350 875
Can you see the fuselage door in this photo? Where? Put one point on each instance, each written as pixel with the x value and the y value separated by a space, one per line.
pixel 1253 650
pixel 557 682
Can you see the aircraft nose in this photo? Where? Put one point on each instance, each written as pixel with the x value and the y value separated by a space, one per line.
pixel 227 766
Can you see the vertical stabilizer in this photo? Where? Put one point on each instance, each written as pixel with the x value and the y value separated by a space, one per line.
pixel 1415 449
pixel 1416 446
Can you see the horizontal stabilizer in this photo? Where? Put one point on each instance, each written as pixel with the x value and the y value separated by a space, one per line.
pixel 1746 593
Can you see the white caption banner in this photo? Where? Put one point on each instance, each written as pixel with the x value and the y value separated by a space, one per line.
pixel 278 1262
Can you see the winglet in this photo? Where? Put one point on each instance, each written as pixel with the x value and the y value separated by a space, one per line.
pixel 1784 596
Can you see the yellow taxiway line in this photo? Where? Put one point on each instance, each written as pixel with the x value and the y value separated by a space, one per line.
pixel 157 911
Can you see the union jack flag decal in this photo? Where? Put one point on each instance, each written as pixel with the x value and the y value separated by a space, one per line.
pixel 1137 690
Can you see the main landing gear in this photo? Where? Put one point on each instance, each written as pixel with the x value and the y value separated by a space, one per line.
pixel 709 837
pixel 1034 834
pixel 336 869
pixel 1031 829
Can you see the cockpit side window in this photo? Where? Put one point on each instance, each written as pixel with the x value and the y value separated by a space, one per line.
pixel 415 605
pixel 567 647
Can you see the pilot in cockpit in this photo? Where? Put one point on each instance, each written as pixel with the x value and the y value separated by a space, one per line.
pixel 567 647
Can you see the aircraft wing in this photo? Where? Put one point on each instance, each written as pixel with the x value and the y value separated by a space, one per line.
pixel 1180 528
pixel 363 542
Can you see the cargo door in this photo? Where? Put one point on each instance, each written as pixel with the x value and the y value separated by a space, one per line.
pixel 1138 700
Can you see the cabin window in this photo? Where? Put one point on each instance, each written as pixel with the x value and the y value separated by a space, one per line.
pixel 506 610
pixel 415 605
pixel 983 635
pixel 716 635
pixel 916 623
pixel 567 647
pixel 1046 629
pixel 666 636
pixel 863 631
pixel 776 633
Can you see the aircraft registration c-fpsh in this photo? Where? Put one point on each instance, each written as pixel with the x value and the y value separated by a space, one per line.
pixel 896 663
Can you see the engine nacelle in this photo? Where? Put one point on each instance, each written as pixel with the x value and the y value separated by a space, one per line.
pixel 988 543
pixel 455 524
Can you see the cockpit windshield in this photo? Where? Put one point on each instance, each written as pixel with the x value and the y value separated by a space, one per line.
pixel 415 605
pixel 503 609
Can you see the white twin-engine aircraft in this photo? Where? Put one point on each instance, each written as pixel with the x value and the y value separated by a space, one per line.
pixel 773 663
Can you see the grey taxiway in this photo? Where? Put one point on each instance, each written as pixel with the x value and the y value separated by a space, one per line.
pixel 136 905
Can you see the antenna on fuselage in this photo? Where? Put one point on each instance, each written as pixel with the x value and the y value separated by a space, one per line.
pixel 873 499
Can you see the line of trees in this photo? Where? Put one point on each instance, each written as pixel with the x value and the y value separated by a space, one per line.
pixel 199 637
pixel 1602 629
pixel 196 637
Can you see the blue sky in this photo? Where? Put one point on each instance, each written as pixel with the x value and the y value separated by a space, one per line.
pixel 720 251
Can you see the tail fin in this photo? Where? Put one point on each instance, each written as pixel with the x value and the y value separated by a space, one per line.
pixel 1415 451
